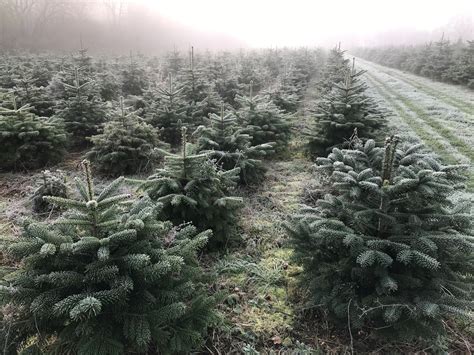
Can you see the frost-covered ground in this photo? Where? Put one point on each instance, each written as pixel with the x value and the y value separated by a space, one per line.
pixel 437 114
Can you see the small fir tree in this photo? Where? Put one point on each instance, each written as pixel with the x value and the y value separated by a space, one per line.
pixel 222 138
pixel 169 113
pixel 387 248
pixel 344 108
pixel 29 141
pixel 107 278
pixel 126 145
pixel 263 121
pixel 192 189
pixel 335 69
pixel 83 112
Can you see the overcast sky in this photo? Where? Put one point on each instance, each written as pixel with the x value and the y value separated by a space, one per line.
pixel 306 22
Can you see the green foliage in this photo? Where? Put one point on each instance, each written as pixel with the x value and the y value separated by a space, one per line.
pixel 263 121
pixel 29 141
pixel 335 69
pixel 125 146
pixel 192 189
pixel 134 80
pixel 82 111
pixel 106 278
pixel 169 113
pixel 225 143
pixel 388 249
pixel 342 110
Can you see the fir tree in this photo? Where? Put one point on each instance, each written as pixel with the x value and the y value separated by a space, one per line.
pixel 344 108
pixel 29 141
pixel 335 69
pixel 125 146
pixel 222 138
pixel 192 189
pixel 82 112
pixel 26 92
pixel 134 80
pixel 263 121
pixel 169 113
pixel 388 249
pixel 106 278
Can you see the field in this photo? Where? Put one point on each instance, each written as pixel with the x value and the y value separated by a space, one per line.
pixel 262 308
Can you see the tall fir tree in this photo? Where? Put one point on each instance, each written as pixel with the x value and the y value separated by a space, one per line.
pixel 346 107
pixel 192 189
pixel 106 278
pixel 388 249
pixel 223 139
pixel 335 69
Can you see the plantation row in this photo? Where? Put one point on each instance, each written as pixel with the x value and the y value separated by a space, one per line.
pixel 383 248
pixel 441 60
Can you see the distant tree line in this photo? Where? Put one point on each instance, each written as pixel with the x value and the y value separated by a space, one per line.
pixel 442 60
pixel 105 25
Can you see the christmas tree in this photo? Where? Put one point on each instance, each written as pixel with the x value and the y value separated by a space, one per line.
pixel 29 141
pixel 263 121
pixel 83 112
pixel 335 69
pixel 134 80
pixel 106 278
pixel 388 249
pixel 125 146
pixel 344 108
pixel 169 113
pixel 223 139
pixel 192 189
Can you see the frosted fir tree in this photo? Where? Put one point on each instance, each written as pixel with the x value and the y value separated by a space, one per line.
pixel 29 141
pixel 169 113
pixel 134 79
pixel 27 92
pixel 387 249
pixel 342 110
pixel 226 144
pixel 126 144
pixel 263 121
pixel 192 189
pixel 106 278
pixel 83 112
pixel 335 69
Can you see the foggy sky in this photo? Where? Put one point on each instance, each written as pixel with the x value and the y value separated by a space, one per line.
pixel 161 25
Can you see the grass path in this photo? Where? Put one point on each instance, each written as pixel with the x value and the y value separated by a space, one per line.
pixel 259 277
pixel 449 138
pixel 456 96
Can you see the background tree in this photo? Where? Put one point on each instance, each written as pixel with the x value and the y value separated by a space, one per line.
pixel 192 189
pixel 29 141
pixel 344 108
pixel 125 145
pixel 225 143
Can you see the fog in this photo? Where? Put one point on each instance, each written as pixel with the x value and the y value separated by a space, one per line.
pixel 152 26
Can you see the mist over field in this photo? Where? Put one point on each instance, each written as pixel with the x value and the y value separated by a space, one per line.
pixel 156 26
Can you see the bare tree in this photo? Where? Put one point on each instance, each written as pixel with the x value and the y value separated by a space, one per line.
pixel 115 10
